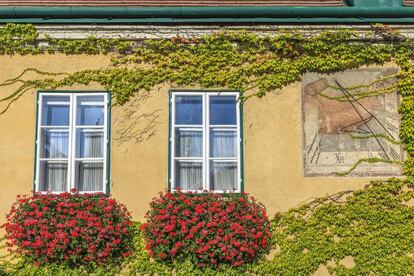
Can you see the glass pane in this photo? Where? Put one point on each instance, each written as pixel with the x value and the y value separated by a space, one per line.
pixel 188 110
pixel 53 176
pixel 89 176
pixel 89 143
pixel 223 143
pixel 90 110
pixel 54 143
pixel 55 111
pixel 223 110
pixel 189 175
pixel 223 176
pixel 188 143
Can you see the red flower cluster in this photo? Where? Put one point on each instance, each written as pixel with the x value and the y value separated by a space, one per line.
pixel 210 229
pixel 68 228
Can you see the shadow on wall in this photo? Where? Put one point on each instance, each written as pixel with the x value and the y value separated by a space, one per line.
pixel 136 124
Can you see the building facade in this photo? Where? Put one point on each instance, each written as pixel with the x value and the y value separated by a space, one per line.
pixel 285 148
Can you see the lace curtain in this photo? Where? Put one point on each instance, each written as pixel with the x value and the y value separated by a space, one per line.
pixel 223 175
pixel 90 174
pixel 189 175
pixel 54 172
pixel 55 176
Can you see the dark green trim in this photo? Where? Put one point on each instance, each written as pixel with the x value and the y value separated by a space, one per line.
pixel 212 21
pixel 108 145
pixel 108 159
pixel 226 14
pixel 170 116
pixel 203 12
pixel 169 137
pixel 36 141
pixel 241 146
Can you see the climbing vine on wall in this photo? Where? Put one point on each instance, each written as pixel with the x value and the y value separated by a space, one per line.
pixel 373 227
pixel 350 233
pixel 367 232
pixel 237 60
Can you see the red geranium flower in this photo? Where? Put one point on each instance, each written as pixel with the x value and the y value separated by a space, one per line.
pixel 209 229
pixel 69 228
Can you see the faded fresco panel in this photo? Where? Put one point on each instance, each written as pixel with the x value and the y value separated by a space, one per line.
pixel 351 118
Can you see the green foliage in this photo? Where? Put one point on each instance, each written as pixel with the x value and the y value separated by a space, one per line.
pixel 367 160
pixel 237 60
pixel 24 39
pixel 373 227
pixel 18 39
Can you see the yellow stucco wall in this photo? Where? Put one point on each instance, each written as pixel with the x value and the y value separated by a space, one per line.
pixel 272 143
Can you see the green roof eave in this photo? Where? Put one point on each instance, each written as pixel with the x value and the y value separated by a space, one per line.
pixel 198 15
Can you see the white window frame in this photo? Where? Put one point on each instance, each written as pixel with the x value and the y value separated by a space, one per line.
pixel 73 95
pixel 206 128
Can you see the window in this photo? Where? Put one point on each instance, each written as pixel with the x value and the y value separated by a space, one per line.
pixel 72 142
pixel 205 142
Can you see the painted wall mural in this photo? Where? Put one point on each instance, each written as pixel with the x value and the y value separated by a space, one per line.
pixel 351 123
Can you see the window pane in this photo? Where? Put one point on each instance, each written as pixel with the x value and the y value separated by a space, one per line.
pixel 223 176
pixel 55 111
pixel 189 175
pixel 54 143
pixel 89 176
pixel 223 143
pixel 188 143
pixel 188 110
pixel 90 110
pixel 53 176
pixel 89 143
pixel 223 110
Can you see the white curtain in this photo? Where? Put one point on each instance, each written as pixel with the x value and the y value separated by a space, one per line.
pixel 54 173
pixel 189 143
pixel 223 176
pixel 91 144
pixel 90 176
pixel 54 176
pixel 223 143
pixel 189 175
pixel 55 144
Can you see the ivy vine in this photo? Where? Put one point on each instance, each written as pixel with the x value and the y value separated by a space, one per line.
pixel 373 226
pixel 226 60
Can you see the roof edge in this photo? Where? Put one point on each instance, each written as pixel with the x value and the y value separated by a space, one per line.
pixel 186 14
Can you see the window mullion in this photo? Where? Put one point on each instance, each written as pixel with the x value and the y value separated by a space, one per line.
pixel 72 143
pixel 106 143
pixel 206 142
pixel 172 143
pixel 239 145
pixel 39 120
